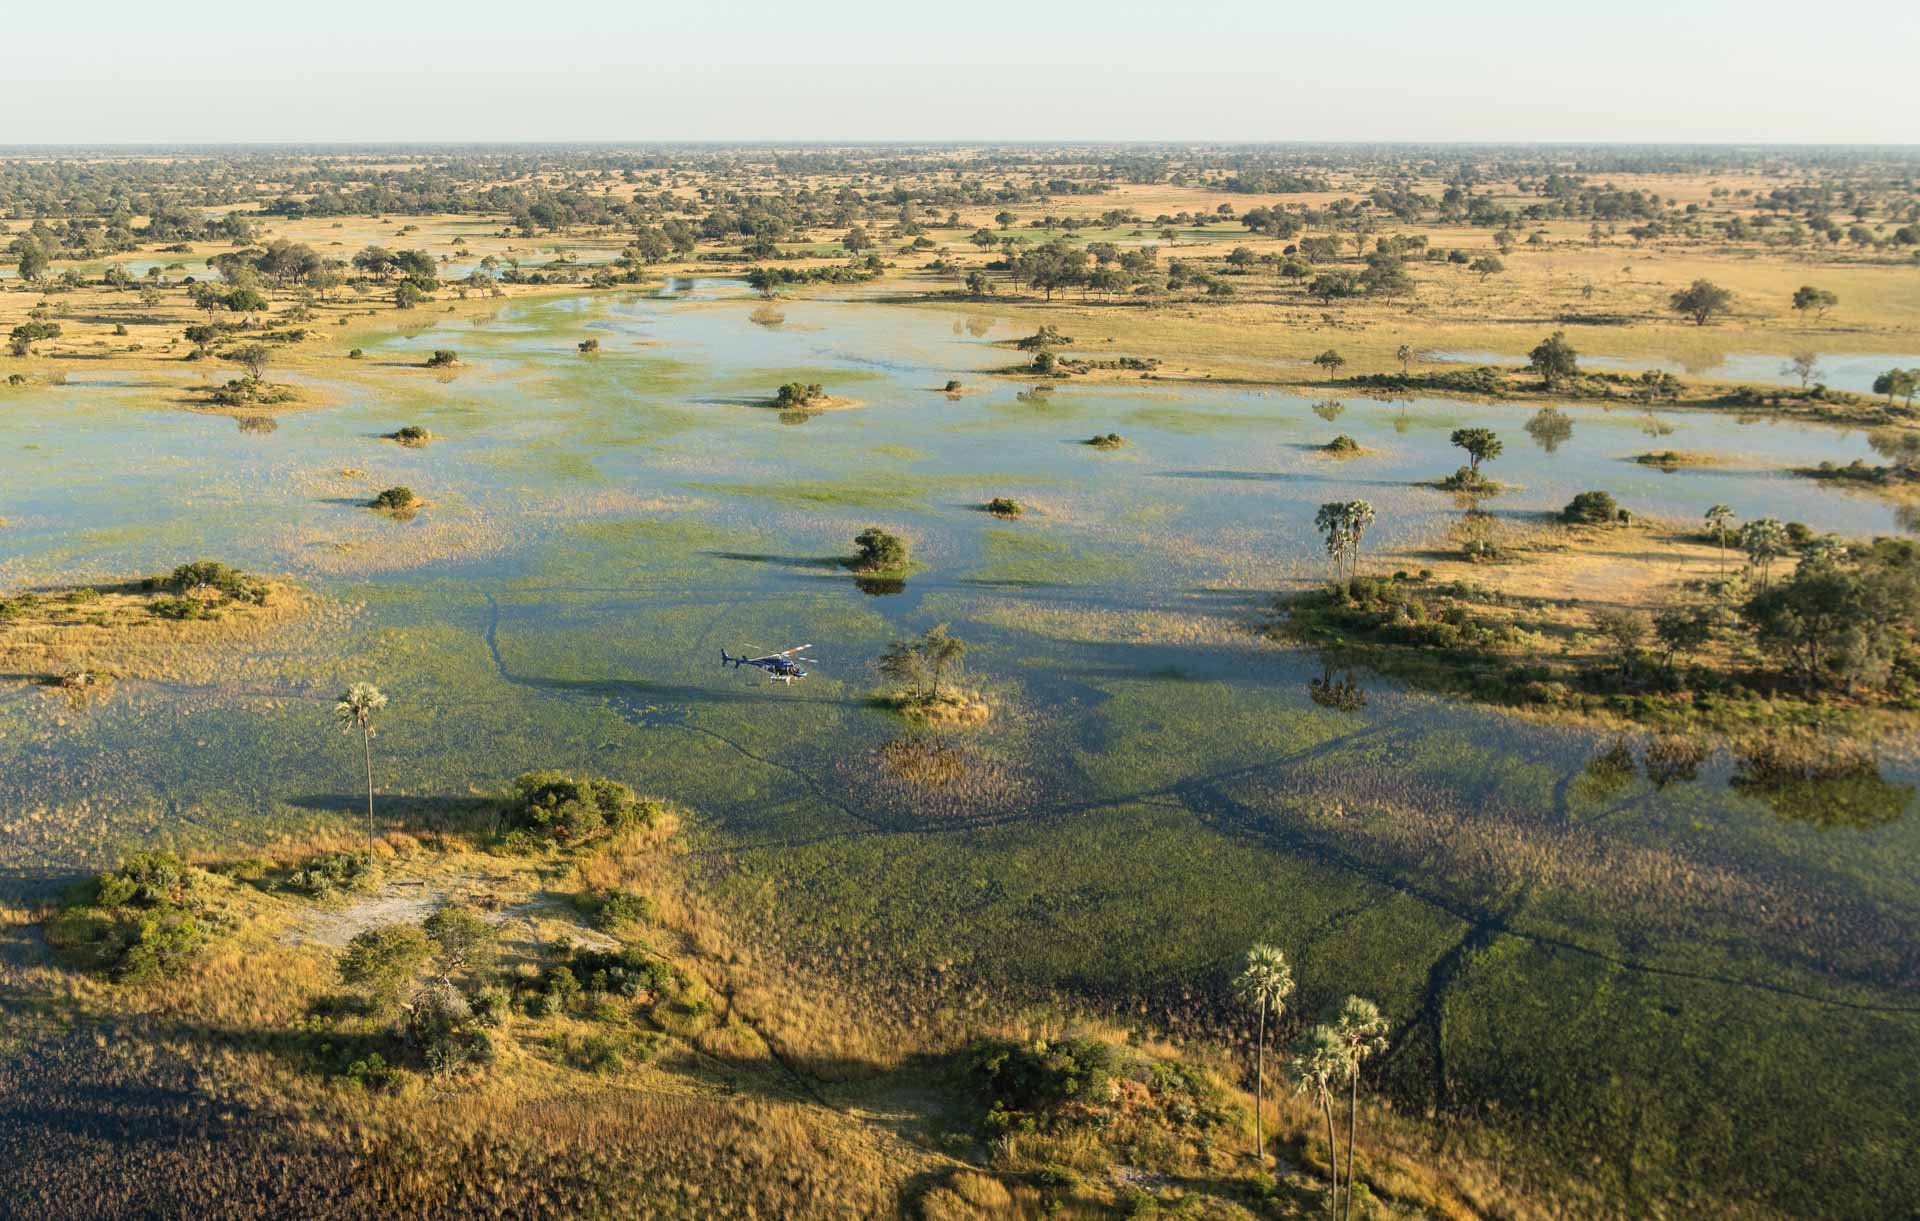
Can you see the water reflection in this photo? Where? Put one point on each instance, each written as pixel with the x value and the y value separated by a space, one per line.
pixel 1343 694
pixel 880 587
pixel 1609 773
pixel 258 424
pixel 1673 758
pixel 1329 409
pixel 1550 428
pixel 1826 784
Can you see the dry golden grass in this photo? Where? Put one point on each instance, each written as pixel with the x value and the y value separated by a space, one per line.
pixel 114 632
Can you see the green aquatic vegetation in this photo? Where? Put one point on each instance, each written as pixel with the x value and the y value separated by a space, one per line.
pixel 871 491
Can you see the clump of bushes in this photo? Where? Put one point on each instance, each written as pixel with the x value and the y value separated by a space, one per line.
pixel 201 575
pixel 251 391
pixel 1467 479
pixel 1111 440
pixel 182 609
pixel 443 358
pixel 140 922
pixel 331 873
pixel 394 500
pixel 953 386
pixel 588 347
pixel 877 550
pixel 1046 337
pixel 796 396
pixel 568 809
pixel 612 908
pixel 412 436
pixel 1591 509
pixel 1342 445
pixel 1005 506
pixel 356 354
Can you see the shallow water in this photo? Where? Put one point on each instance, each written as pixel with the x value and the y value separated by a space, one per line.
pixel 1853 371
pixel 1160 789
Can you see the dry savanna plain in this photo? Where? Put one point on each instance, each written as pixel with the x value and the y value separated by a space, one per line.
pixel 1375 679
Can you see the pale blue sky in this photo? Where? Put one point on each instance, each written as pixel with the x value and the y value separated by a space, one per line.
pixel 1261 70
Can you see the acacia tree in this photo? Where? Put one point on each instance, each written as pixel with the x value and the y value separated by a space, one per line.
pixel 1362 1031
pixel 921 665
pixel 1554 359
pixel 1897 382
pixel 252 357
pixel 1319 1064
pixel 1480 443
pixel 1720 524
pixel 1701 300
pixel 1819 300
pixel 355 711
pixel 1803 365
pixel 1264 983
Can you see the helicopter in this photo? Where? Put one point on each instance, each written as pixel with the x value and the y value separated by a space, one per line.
pixel 783 666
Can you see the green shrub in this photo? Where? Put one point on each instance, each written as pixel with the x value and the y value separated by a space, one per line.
pixel 1112 440
pixel 798 395
pixel 212 574
pixel 333 872
pixel 877 550
pixel 1030 1078
pixel 411 435
pixel 570 809
pixel 442 358
pixel 588 346
pixel 138 922
pixel 1003 506
pixel 617 907
pixel 1590 508
pixel 395 499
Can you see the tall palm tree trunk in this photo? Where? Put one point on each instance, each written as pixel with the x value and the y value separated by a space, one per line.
pixel 1260 1089
pixel 366 742
pixel 1353 1105
pixel 1333 1157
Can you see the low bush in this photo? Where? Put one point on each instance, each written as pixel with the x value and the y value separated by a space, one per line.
pixel 571 809
pixel 394 499
pixel 877 550
pixel 1590 509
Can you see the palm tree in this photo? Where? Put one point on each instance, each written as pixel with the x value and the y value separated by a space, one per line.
pixel 1764 540
pixel 1362 1031
pixel 1320 1062
pixel 355 711
pixel 1264 983
pixel 1719 524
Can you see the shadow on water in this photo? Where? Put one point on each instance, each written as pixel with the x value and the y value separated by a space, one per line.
pixel 824 563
